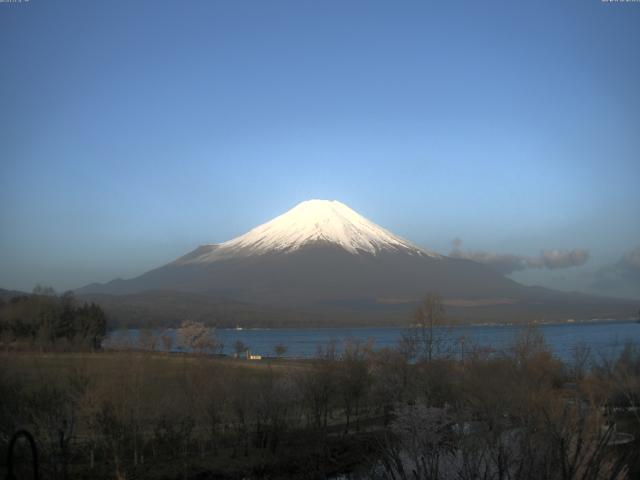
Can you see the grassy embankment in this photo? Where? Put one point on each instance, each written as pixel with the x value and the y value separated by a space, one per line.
pixel 172 395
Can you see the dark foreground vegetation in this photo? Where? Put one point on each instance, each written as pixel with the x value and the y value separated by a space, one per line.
pixel 412 412
pixel 45 321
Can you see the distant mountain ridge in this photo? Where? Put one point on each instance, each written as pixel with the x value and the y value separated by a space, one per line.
pixel 8 294
pixel 322 259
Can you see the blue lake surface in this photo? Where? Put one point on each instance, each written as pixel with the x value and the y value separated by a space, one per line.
pixel 604 338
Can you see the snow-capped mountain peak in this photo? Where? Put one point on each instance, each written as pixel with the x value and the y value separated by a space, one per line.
pixel 309 222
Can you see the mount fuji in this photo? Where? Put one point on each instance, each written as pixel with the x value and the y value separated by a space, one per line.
pixel 321 262
pixel 310 222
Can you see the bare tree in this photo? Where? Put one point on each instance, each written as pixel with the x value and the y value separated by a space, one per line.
pixel 280 350
pixel 392 380
pixel 54 414
pixel 239 347
pixel 196 337
pixel 418 445
pixel 214 407
pixel 528 344
pixel 318 385
pixel 618 380
pixel 242 395
pixel 271 409
pixel 147 340
pixel 580 358
pixel 353 378
pixel 167 341
pixel 425 339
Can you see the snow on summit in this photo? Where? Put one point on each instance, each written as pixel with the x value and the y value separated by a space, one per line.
pixel 310 222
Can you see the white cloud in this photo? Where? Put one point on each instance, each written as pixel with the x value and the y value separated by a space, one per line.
pixel 509 263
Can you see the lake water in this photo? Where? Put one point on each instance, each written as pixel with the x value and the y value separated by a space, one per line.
pixel 605 338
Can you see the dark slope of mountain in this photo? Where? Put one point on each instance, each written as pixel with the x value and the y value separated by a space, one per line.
pixel 158 308
pixel 322 272
pixel 8 294
pixel 163 308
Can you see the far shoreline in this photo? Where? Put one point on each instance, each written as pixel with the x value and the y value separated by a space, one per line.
pixel 364 327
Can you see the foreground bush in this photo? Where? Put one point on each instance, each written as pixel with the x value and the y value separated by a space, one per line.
pixel 373 414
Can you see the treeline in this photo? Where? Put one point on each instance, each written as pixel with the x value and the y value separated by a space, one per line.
pixel 48 321
pixel 394 413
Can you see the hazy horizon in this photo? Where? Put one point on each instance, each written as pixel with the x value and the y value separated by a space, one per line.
pixel 501 132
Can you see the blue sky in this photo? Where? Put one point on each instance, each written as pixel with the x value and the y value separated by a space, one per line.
pixel 131 132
